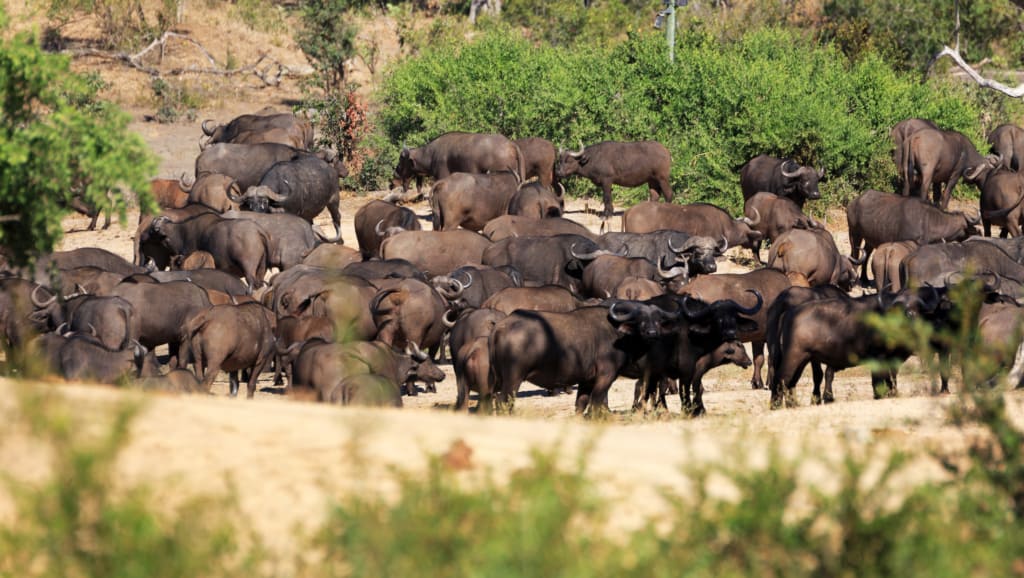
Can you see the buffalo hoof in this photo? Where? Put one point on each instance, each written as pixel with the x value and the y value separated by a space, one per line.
pixel 697 411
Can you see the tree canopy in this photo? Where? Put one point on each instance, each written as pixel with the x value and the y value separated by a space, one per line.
pixel 58 142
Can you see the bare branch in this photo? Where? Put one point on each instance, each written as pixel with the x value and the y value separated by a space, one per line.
pixel 1015 92
pixel 270 72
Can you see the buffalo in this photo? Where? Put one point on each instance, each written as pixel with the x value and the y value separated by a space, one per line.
pixel 782 177
pixel 627 164
pixel 458 152
pixel 941 157
pixel 699 219
pixel 1007 142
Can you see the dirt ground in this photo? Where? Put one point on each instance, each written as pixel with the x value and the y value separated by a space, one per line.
pixel 286 459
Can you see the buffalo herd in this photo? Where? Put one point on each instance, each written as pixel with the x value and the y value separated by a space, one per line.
pixel 233 276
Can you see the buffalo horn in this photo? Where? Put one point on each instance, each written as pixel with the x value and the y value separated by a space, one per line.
pixel 688 244
pixel 375 304
pixel 414 351
pixel 561 187
pixel 752 222
pixel 92 330
pixel 449 287
pixel 208 128
pixel 725 245
pixel 60 329
pixel 449 323
pixel 238 197
pixel 578 153
pixel 469 279
pixel 185 184
pixel 686 304
pixel 858 262
pixel 790 174
pixel 265 191
pixel 586 256
pixel 973 221
pixel 623 316
pixel 674 272
pixel 41 304
pixel 755 308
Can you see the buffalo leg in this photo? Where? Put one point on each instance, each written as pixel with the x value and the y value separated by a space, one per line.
pixel 758 350
pixel 663 188
pixel 697 409
pixel 830 375
pixel 816 377
pixel 606 190
pixel 583 394
pixel 945 368
pixel 233 383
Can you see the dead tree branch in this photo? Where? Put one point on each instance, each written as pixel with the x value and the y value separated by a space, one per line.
pixel 1015 92
pixel 268 69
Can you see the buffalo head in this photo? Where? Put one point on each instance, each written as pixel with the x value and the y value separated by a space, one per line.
pixel 800 180
pixel 569 162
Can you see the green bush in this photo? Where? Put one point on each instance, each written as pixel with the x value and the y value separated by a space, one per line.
pixel 773 91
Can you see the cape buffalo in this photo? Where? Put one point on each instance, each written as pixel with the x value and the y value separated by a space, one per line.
pixel 899 133
pixel 376 220
pixel 1001 203
pixel 699 219
pixel 941 157
pixel 1007 143
pixel 285 128
pixel 229 338
pixel 517 226
pixel 627 164
pixel 813 253
pixel 774 215
pixel 538 159
pixel 782 177
pixel 458 152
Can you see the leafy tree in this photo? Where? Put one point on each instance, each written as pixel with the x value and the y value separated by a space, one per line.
pixel 328 38
pixel 58 143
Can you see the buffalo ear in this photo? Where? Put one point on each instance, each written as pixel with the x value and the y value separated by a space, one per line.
pixel 583 160
pixel 574 267
pixel 745 325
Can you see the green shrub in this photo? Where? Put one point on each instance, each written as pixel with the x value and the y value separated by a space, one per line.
pixel 262 15
pixel 773 91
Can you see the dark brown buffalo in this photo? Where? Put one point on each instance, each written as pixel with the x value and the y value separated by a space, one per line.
pixel 1007 142
pixel 773 215
pixel 885 264
pixel 537 201
pixel 470 356
pixel 739 288
pixel 169 193
pixel 458 152
pixel 376 220
pixel 698 219
pixel 245 163
pixel 627 164
pixel 667 248
pixel 291 330
pixel 285 128
pixel 726 353
pixel 555 260
pixel 899 133
pixel 814 254
pixel 783 177
pixel 436 252
pixel 834 333
pixel 409 312
pixel 108 319
pixel 545 298
pixel 304 186
pixel 470 200
pixel 291 237
pixel 875 217
pixel 538 159
pixel 229 338
pixel 588 347
pixel 1000 327
pixel 468 287
pixel 934 158
pixel 935 264
pixel 163 310
pixel 215 190
pixel 239 247
pixel 149 250
pixel 83 357
pixel 518 226
pixel 1001 203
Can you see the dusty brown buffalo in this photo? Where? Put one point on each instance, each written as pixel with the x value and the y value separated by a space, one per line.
pixel 331 256
pixel 518 226
pixel 556 260
pixel 537 201
pixel 627 164
pixel 409 312
pixel 605 273
pixel 174 381
pixel 164 308
pixel 1007 142
pixel 469 200
pixel 193 261
pixel 284 128
pixel 538 159
pixel 934 158
pixel 782 177
pixel 544 298
pixel 149 249
pixel 637 289
pixel 109 319
pixel 698 219
pixel 169 193
pixel 470 357
pixel 377 220
pixel 885 264
pixel 229 338
pixel 773 215
pixel 436 252
pixel 899 133
pixel 875 217
pixel 215 190
pixel 458 152
pixel 813 253
pixel 82 357
pixel 1001 203
pixel 239 247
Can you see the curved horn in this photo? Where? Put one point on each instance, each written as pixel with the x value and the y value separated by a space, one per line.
pixel 752 222
pixel 686 305
pixel 562 187
pixel 185 184
pixel 266 191
pixel 621 317
pixel 973 221
pixel 375 303
pixel 469 279
pixel 92 330
pixel 724 246
pixel 414 351
pixel 674 272
pixel 687 244
pixel 858 262
pixel 380 232
pixel 207 127
pixel 449 323
pixel 586 256
pixel 41 304
pixel 59 330
pixel 448 287
pixel 992 287
pixel 578 153
pixel 790 174
pixel 756 307
pixel 238 198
